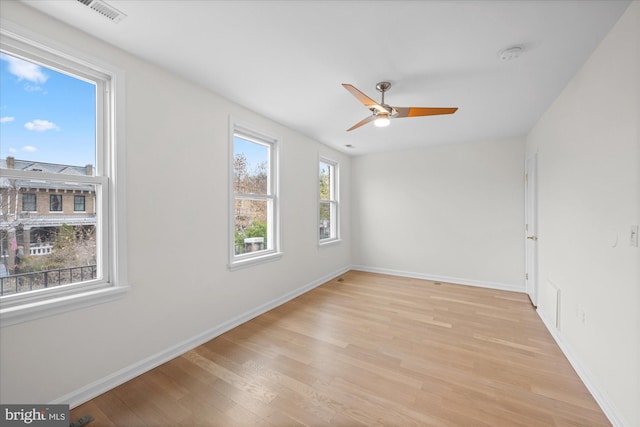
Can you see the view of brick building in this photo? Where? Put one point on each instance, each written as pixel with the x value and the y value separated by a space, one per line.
pixel 32 212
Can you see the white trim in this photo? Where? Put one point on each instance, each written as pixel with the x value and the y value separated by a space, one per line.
pixel 532 285
pixel 328 242
pixel 239 264
pixel 272 197
pixel 334 200
pixel 109 180
pixel 50 49
pixel 445 279
pixel 43 177
pixel 88 392
pixel 601 397
pixel 58 305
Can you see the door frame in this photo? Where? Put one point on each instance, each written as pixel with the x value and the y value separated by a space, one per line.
pixel 531 228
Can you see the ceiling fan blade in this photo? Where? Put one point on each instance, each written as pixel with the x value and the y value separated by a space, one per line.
pixel 362 122
pixel 364 99
pixel 419 111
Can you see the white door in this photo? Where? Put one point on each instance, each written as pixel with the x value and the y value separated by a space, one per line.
pixel 531 229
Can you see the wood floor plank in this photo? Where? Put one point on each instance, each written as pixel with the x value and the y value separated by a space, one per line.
pixel 367 350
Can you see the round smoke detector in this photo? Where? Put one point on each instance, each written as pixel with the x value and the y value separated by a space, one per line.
pixel 510 53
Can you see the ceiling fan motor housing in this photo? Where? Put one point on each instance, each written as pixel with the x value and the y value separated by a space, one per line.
pixel 383 86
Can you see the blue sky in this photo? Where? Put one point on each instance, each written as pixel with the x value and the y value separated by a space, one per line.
pixel 45 115
pixel 255 153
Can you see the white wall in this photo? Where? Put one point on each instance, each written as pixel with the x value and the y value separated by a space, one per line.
pixel 446 211
pixel 177 243
pixel 588 144
pixel 450 212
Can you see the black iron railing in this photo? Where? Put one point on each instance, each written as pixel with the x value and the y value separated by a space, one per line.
pixel 25 282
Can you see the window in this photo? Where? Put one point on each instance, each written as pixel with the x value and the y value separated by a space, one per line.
pixel 328 206
pixel 55 203
pixel 62 136
pixel 78 204
pixel 29 202
pixel 254 202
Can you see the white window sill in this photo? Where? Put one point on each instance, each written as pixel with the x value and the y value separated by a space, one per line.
pixel 249 262
pixel 328 242
pixel 51 306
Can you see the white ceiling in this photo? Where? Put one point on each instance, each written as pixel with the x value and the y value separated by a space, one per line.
pixel 287 59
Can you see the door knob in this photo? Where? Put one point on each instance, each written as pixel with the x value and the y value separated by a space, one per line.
pixel 532 237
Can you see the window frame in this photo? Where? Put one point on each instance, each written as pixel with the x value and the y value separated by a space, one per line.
pixel 273 253
pixel 334 201
pixel 108 179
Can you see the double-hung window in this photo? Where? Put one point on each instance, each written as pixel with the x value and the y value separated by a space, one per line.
pixel 328 201
pixel 253 212
pixel 60 136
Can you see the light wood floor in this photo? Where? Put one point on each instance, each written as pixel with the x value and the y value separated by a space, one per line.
pixel 365 350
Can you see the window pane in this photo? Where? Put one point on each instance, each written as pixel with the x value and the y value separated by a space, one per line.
pixel 78 203
pixel 48 118
pixel 48 126
pixel 328 201
pixel 250 167
pixel 55 203
pixel 40 250
pixel 254 229
pixel 325 220
pixel 251 219
pixel 325 181
pixel 28 202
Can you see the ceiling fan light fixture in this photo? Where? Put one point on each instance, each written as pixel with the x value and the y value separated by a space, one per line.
pixel 382 121
pixel 382 113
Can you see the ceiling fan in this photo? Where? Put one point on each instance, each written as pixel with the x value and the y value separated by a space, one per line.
pixel 383 112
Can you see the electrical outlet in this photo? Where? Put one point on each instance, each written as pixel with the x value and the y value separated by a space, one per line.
pixel 581 314
pixel 633 237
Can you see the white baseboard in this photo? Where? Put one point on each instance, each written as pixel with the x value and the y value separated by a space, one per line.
pixel 601 398
pixel 90 391
pixel 457 280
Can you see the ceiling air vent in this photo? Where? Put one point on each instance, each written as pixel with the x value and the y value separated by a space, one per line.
pixel 104 9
